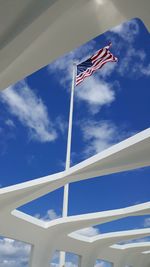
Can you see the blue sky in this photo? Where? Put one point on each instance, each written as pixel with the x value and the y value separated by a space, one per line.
pixel 110 106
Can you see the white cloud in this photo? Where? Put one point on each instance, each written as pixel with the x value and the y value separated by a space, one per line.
pixel 133 61
pixel 147 222
pixel 95 90
pixel 30 110
pixel 89 231
pixel 50 215
pixel 101 135
pixel 61 124
pixel 96 93
pixel 107 70
pixel 145 70
pixel 13 253
pixel 9 123
pixel 17 254
pixel 6 134
pixel 127 31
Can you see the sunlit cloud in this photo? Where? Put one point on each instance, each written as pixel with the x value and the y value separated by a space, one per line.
pixel 96 93
pixel 99 135
pixel 49 216
pixel 9 123
pixel 133 63
pixel 30 110
pixel 127 30
pixel 14 253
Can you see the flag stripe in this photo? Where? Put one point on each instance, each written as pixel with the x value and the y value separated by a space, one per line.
pixel 89 72
pixel 95 62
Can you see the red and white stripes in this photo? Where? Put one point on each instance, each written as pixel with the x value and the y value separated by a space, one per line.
pixel 98 60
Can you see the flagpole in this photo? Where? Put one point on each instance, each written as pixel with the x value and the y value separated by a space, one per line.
pixel 68 158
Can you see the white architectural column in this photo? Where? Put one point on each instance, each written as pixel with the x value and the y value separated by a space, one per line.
pixel 40 256
pixel 79 261
pixel 120 264
pixel 134 259
pixel 88 260
pixel 133 256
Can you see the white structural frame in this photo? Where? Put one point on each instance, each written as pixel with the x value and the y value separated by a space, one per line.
pixel 33 33
pixel 56 27
pixel 59 234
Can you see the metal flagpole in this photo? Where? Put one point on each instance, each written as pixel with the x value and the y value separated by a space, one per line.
pixel 68 157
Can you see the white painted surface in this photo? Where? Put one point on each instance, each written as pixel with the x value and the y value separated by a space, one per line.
pixel 33 32
pixel 23 35
pixel 46 237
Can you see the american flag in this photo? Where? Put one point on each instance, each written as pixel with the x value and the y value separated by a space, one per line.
pixel 95 62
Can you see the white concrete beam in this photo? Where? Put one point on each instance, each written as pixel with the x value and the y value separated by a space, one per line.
pixel 129 154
